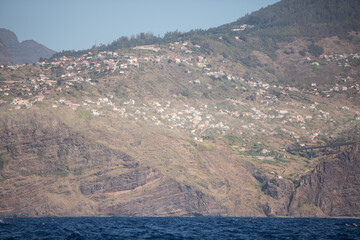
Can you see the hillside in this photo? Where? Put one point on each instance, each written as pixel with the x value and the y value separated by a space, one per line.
pixel 201 125
pixel 291 18
pixel 14 52
pixel 263 29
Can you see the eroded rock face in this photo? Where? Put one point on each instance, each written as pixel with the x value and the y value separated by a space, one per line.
pixel 332 189
pixel 280 190
pixel 42 145
pixel 50 170
pixel 169 199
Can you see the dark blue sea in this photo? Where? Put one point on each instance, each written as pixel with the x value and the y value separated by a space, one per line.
pixel 179 228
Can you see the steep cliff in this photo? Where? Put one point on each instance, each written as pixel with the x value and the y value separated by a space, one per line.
pixel 47 169
pixel 279 192
pixel 331 189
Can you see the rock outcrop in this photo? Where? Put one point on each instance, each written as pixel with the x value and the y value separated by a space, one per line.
pixel 280 191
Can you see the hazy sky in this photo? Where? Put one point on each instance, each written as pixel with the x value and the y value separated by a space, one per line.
pixel 78 24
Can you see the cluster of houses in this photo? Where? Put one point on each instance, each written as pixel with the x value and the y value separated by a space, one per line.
pixel 340 59
pixel 343 84
pixel 192 120
pixel 61 74
pixel 25 93
pixel 252 118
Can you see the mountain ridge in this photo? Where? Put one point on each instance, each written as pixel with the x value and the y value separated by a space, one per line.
pixel 14 52
pixel 275 23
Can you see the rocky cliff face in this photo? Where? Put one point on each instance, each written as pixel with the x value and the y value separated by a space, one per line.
pixel 280 192
pixel 12 51
pixel 48 169
pixel 331 189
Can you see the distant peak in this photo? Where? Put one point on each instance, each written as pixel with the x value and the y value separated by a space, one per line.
pixel 28 51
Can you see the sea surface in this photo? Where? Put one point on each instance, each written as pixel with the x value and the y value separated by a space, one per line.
pixel 179 228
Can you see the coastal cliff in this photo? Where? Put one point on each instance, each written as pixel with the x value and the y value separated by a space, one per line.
pixel 48 169
pixel 331 189
pixel 189 124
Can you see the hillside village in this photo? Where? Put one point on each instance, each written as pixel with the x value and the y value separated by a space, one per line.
pixel 257 117
pixel 261 115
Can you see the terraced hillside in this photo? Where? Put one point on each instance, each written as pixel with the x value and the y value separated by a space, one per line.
pixel 195 126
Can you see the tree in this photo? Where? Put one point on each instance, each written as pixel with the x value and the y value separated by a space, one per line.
pixel 315 50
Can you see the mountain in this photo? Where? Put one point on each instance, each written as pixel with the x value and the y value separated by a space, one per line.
pixel 4 55
pixel 13 52
pixel 252 118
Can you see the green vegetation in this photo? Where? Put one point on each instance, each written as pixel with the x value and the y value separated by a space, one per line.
pixel 78 171
pixel 3 161
pixel 62 152
pixel 351 133
pixel 56 173
pixel 302 52
pixel 316 68
pixel 315 50
pixel 41 153
pixel 275 162
pixel 233 139
pixel 330 17
pixel 83 114
pixel 58 71
pixel 206 147
pixel 251 61
pixel 306 208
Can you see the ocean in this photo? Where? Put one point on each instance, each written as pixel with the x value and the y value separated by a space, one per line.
pixel 179 228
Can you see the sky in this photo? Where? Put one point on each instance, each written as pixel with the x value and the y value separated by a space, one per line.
pixel 79 24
